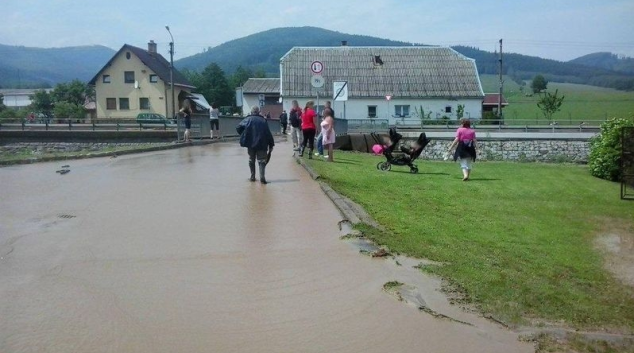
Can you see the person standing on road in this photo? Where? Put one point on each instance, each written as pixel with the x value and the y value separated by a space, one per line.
pixel 320 144
pixel 295 119
pixel 186 113
pixel 256 136
pixel 214 115
pixel 465 143
pixel 328 133
pixel 284 121
pixel 309 128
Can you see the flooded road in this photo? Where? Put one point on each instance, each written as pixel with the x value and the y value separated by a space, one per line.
pixel 175 251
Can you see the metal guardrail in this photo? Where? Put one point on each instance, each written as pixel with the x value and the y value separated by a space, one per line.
pixel 96 125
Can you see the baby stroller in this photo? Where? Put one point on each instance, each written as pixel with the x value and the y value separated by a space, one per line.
pixel 408 155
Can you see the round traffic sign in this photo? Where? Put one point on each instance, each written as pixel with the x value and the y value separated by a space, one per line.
pixel 316 67
pixel 317 81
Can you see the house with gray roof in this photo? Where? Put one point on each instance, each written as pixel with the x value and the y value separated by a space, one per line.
pixel 385 82
pixel 263 92
pixel 136 81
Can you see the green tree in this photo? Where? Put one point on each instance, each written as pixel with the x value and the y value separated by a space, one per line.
pixel 74 92
pixel 240 77
pixel 67 110
pixel 215 87
pixel 539 84
pixel 42 102
pixel 549 104
pixel 605 149
pixel 460 111
pixel 2 106
pixel 259 73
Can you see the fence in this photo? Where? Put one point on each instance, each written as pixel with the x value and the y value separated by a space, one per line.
pixel 627 163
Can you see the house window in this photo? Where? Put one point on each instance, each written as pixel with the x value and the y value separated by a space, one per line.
pixel 105 79
pixel 111 103
pixel 144 103
pixel 128 76
pixel 401 111
pixel 124 104
pixel 371 111
pixel 448 109
pixel 153 78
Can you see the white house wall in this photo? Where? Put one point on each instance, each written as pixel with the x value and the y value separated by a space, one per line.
pixel 356 108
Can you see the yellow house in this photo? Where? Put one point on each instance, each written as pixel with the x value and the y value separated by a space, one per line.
pixel 137 81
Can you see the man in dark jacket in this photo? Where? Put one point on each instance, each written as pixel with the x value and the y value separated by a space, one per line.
pixel 256 136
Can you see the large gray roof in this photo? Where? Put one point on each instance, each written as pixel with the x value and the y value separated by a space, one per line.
pixel 406 72
pixel 262 85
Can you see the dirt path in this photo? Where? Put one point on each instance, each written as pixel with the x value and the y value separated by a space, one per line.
pixel 175 251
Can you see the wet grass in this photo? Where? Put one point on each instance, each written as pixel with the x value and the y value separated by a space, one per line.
pixel 517 238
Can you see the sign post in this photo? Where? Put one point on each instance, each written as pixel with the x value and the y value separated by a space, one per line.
pixel 340 93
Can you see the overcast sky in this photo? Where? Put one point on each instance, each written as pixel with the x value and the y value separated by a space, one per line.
pixel 555 29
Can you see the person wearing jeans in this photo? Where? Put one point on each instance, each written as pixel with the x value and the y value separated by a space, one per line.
pixel 309 129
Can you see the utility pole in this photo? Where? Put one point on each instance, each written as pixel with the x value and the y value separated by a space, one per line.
pixel 501 86
pixel 172 71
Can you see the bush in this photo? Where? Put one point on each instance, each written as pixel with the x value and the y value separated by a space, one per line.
pixel 605 149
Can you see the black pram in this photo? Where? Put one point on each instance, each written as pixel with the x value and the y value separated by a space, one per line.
pixel 408 155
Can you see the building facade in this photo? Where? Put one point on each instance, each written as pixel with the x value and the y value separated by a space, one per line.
pixel 262 92
pixel 420 82
pixel 138 81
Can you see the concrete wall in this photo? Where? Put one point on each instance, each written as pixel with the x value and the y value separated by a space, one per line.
pixel 159 93
pixel 356 108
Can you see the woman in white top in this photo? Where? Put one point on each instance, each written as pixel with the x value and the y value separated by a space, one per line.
pixel 215 122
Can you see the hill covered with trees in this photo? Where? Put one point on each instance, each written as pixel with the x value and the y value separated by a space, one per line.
pixel 24 67
pixel 262 51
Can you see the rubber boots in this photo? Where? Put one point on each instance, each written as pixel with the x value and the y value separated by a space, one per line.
pixel 252 167
pixel 262 165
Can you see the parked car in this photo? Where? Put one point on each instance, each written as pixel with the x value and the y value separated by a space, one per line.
pixel 152 118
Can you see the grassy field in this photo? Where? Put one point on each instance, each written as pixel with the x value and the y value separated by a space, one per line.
pixel 517 239
pixel 582 102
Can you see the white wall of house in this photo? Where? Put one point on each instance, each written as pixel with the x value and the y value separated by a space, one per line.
pixel 358 108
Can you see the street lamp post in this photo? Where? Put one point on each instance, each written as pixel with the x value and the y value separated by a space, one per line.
pixel 172 71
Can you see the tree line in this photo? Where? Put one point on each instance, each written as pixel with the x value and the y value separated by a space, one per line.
pixel 66 101
pixel 216 86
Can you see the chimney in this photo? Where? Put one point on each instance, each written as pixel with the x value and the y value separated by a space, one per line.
pixel 151 47
pixel 344 43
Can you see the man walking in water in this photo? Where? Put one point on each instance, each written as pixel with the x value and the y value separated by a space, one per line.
pixel 256 136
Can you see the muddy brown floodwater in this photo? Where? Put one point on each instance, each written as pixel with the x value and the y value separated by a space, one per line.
pixel 175 251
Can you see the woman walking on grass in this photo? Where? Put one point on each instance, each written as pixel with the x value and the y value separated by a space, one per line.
pixel 465 143
pixel 328 133
pixel 309 128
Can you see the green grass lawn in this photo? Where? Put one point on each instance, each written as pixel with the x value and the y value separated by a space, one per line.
pixel 517 238
pixel 582 102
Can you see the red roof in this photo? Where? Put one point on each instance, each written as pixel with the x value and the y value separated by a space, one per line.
pixel 492 99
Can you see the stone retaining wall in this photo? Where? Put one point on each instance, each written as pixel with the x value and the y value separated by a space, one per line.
pixel 520 150
pixel 498 149
pixel 40 148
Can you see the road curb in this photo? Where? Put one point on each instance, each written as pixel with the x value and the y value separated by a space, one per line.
pixel 351 211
